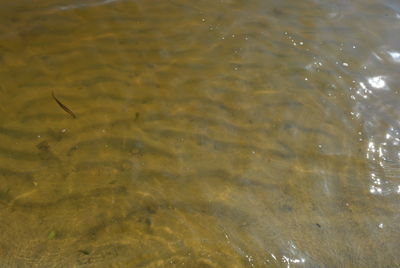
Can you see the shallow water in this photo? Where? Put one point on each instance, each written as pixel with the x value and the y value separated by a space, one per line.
pixel 223 133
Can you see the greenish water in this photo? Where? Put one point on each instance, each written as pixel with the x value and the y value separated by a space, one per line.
pixel 207 133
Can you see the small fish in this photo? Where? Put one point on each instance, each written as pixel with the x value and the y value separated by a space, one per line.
pixel 65 108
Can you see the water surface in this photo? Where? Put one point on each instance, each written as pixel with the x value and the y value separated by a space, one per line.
pixel 223 133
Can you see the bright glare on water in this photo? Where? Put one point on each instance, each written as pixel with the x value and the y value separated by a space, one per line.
pixel 225 133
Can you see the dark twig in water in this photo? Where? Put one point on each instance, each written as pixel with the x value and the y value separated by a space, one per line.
pixel 65 108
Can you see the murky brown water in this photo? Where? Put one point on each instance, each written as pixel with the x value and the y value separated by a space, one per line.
pixel 223 133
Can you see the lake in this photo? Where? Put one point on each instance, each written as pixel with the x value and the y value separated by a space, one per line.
pixel 224 133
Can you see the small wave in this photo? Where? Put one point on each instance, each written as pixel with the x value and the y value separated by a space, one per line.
pixel 84 5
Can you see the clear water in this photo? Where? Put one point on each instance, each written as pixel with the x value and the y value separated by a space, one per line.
pixel 223 133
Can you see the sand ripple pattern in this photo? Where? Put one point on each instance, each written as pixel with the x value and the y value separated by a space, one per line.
pixel 197 141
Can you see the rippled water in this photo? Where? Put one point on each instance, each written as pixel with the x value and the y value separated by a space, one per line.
pixel 223 133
